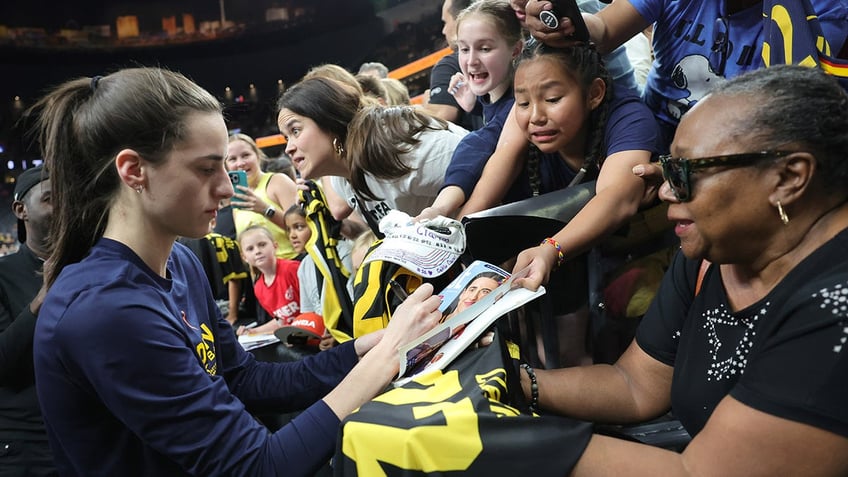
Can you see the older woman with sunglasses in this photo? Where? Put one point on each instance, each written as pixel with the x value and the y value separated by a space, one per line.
pixel 747 340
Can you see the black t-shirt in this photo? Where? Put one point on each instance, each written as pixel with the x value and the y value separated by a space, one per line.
pixel 20 415
pixel 224 224
pixel 221 260
pixel 785 355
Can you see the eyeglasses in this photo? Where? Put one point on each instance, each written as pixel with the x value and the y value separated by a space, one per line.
pixel 720 49
pixel 677 171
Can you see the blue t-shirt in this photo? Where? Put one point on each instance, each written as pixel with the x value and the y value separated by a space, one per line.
pixel 616 61
pixel 685 68
pixel 473 151
pixel 630 126
pixel 140 375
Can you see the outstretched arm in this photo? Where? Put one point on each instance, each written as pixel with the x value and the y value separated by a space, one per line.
pixel 446 203
pixel 634 389
pixel 608 29
pixel 618 195
pixel 500 170
pixel 379 365
pixel 738 440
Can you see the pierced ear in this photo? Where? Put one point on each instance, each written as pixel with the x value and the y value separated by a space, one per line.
pixel 130 167
pixel 795 173
pixel 597 91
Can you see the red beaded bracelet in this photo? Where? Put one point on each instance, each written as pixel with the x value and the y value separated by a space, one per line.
pixel 560 255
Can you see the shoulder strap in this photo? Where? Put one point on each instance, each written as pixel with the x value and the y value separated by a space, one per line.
pixel 319 280
pixel 705 264
pixel 264 180
pixel 366 214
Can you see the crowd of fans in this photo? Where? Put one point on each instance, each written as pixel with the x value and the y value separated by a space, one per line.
pixel 407 42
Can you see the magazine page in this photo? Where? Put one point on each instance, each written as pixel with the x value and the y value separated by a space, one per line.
pixel 465 335
pixel 456 311
pixel 249 342
pixel 438 347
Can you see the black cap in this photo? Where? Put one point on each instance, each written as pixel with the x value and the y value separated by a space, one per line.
pixel 26 181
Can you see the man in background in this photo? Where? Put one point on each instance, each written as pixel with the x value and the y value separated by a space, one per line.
pixel 23 439
pixel 377 70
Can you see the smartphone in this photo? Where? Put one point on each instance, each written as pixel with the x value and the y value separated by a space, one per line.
pixel 566 8
pixel 238 178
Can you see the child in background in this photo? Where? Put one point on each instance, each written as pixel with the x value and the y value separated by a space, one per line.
pixel 565 108
pixel 311 281
pixel 276 285
pixel 298 231
pixel 488 40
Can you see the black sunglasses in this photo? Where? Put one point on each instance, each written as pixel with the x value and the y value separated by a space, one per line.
pixel 678 170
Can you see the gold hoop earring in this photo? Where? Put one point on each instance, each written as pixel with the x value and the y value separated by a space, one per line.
pixel 337 145
pixel 782 213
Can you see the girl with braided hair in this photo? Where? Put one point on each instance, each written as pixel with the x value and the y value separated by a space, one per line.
pixel 576 129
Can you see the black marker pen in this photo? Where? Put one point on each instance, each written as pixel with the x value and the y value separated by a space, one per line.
pixel 398 290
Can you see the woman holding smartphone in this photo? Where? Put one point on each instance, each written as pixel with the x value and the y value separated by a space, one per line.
pixel 267 194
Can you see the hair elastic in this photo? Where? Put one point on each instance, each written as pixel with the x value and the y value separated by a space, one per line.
pixel 94 81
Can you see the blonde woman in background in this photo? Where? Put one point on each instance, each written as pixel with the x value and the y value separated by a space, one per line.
pixel 268 197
